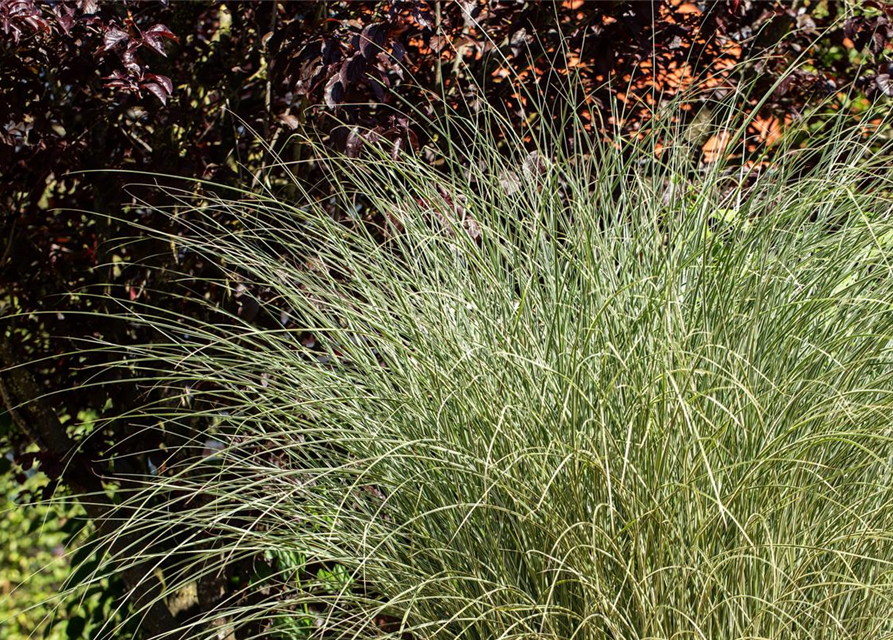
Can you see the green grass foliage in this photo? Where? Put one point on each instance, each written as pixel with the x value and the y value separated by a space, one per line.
pixel 595 392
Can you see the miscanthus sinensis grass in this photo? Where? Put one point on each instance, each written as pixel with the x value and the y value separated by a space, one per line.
pixel 603 395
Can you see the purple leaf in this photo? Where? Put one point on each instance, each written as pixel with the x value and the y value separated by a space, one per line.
pixel 330 51
pixel 354 143
pixel 334 92
pixel 878 42
pixel 423 18
pixel 378 89
pixel 38 24
pixel 129 60
pixel 155 36
pixel 371 39
pixel 156 90
pixel 113 37
pixel 850 27
pixel 164 81
pixel 882 81
pixel 399 50
pixel 64 17
pixel 119 80
pixel 155 44
pixel 161 31
pixel 352 70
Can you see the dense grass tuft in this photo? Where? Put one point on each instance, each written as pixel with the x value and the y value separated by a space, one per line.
pixel 601 395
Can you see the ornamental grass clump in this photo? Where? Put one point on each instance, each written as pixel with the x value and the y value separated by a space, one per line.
pixel 498 393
